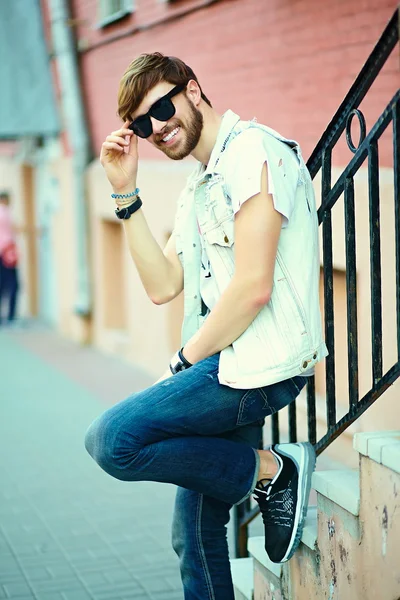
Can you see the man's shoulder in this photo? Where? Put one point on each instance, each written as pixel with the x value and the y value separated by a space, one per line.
pixel 250 138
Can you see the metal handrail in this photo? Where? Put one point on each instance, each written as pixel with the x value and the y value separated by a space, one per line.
pixel 321 160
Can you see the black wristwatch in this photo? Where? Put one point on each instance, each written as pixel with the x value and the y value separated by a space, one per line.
pixel 125 213
pixel 179 363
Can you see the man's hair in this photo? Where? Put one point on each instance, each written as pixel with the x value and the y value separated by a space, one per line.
pixel 145 72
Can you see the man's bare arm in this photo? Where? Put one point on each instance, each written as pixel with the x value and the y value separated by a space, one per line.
pixel 160 272
pixel 257 231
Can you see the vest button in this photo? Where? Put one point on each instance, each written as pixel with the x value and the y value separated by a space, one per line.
pixel 226 239
pixel 315 356
pixel 305 363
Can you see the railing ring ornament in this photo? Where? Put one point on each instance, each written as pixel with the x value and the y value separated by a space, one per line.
pixel 363 129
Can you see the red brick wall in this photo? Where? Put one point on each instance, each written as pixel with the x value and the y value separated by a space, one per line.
pixel 288 62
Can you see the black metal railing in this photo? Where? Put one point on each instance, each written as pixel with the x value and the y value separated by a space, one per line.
pixel 321 160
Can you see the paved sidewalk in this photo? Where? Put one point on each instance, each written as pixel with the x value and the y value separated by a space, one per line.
pixel 68 531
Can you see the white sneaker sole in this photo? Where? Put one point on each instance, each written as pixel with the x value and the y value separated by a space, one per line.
pixel 304 456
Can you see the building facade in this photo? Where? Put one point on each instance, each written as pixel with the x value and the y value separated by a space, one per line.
pixel 288 64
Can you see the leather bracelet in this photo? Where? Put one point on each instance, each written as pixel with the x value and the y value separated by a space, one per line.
pixel 127 211
pixel 179 363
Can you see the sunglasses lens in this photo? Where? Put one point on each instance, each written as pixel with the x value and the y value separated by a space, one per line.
pixel 163 109
pixel 142 127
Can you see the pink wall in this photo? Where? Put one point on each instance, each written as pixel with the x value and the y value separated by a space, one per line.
pixel 288 63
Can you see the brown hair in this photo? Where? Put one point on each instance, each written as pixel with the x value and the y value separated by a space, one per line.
pixel 145 72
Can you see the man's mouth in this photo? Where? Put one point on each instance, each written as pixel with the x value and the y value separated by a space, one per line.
pixel 167 138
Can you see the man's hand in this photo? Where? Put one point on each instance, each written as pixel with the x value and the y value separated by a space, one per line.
pixel 119 157
pixel 165 376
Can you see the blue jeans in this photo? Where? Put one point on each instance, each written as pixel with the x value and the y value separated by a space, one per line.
pixel 8 289
pixel 192 431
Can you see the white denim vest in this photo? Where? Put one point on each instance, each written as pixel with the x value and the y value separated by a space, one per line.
pixel 285 339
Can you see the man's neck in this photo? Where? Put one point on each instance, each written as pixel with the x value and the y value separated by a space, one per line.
pixel 212 123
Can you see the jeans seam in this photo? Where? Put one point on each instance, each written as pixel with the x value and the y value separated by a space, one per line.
pixel 254 482
pixel 202 553
pixel 242 406
pixel 267 404
pixel 295 385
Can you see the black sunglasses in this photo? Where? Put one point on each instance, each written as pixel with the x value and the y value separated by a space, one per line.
pixel 162 110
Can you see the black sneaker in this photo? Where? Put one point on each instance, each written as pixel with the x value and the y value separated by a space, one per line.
pixel 283 500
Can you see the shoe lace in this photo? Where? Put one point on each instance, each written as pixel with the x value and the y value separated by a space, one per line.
pixel 277 508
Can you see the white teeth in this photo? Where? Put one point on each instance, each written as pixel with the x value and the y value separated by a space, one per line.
pixel 171 135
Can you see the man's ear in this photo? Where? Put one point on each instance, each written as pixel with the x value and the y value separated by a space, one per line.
pixel 193 92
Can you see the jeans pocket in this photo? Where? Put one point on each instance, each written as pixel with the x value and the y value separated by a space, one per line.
pixel 254 407
pixel 259 403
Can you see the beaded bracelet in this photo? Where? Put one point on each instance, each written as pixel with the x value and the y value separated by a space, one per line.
pixel 126 203
pixel 135 193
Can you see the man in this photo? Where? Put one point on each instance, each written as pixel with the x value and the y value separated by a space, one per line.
pixel 8 260
pixel 245 251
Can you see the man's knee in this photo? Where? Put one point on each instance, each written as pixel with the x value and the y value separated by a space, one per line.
pixel 104 446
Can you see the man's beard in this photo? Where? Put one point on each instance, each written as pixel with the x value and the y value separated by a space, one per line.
pixel 190 135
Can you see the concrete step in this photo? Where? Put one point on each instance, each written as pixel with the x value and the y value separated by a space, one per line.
pixel 309 537
pixel 243 578
pixel 341 487
pixel 383 447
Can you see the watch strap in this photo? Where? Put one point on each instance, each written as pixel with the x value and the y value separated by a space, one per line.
pixel 127 211
pixel 179 363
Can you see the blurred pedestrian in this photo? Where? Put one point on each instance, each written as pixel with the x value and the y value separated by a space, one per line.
pixel 245 251
pixel 8 262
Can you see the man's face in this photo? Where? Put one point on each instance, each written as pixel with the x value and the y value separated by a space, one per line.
pixel 185 125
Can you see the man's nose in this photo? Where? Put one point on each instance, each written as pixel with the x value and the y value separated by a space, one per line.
pixel 157 126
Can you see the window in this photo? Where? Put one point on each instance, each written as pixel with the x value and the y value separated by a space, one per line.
pixel 113 10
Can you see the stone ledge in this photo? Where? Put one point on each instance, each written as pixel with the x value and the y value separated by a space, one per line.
pixel 341 487
pixel 310 530
pixel 243 578
pixel 381 446
pixel 256 548
pixel 309 538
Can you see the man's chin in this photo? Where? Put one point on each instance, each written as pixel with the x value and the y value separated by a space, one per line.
pixel 175 154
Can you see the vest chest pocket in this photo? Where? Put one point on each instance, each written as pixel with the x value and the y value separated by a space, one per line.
pixel 222 235
pixel 217 204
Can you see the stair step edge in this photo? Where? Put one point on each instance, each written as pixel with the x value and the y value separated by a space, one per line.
pixel 243 577
pixel 256 548
pixel 341 487
pixel 310 530
pixel 381 446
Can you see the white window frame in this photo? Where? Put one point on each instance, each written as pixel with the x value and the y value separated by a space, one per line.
pixel 106 16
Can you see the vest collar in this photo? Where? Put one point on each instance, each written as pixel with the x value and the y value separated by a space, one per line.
pixel 229 121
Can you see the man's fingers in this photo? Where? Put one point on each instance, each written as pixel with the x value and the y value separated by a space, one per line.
pixel 123 131
pixel 112 146
pixel 124 141
pixel 133 144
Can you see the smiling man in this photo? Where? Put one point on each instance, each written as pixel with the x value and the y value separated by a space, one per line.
pixel 245 251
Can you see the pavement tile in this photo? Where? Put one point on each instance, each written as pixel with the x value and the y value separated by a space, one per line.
pixel 94 579
pixel 48 596
pixel 95 565
pixel 60 570
pixel 38 573
pixel 39 559
pixel 76 533
pixel 15 590
pixel 76 595
pixel 167 595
